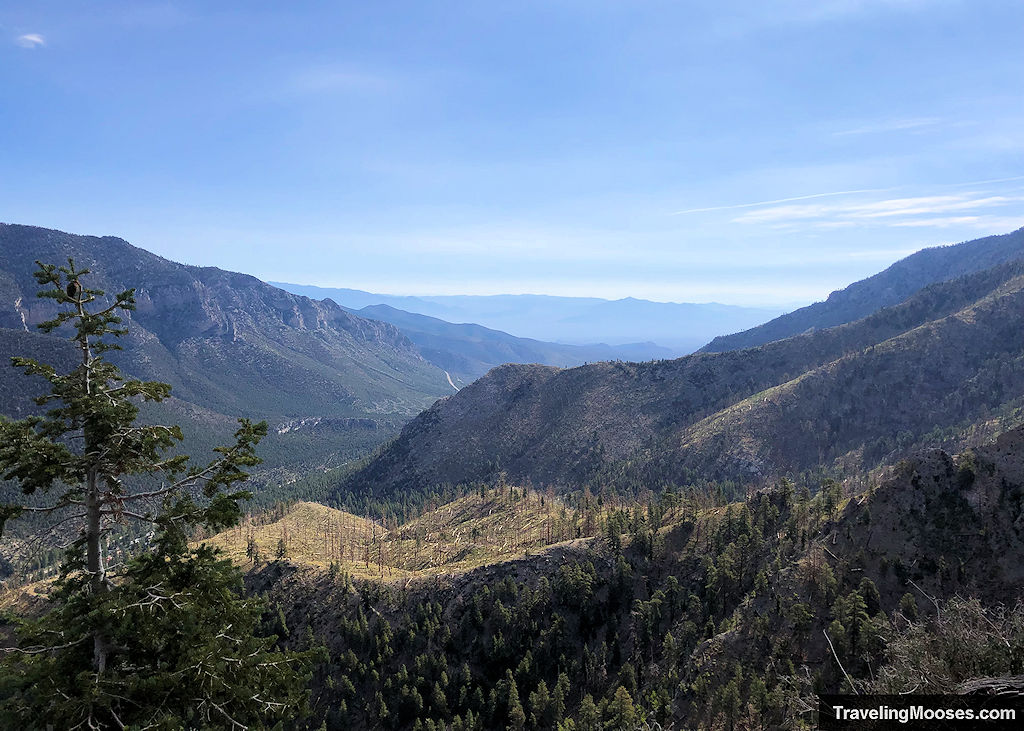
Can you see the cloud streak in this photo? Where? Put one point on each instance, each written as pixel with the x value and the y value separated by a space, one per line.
pixel 30 40
pixel 894 125
pixel 322 80
pixel 939 211
pixel 778 200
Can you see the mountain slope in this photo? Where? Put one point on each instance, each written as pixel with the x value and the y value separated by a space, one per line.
pixel 951 372
pixel 945 359
pixel 226 342
pixel 468 351
pixel 889 287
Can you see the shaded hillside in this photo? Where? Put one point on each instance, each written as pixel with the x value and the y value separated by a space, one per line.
pixel 226 342
pixel 17 389
pixel 691 619
pixel 468 351
pixel 944 359
pixel 886 288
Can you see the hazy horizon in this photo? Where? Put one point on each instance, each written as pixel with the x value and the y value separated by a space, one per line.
pixel 459 293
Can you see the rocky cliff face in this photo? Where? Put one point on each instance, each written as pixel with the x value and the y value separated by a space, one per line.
pixel 174 301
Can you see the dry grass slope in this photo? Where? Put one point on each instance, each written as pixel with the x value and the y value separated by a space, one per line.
pixel 312 534
pixel 498 525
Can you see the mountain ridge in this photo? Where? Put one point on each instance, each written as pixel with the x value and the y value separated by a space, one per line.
pixel 731 614
pixel 890 286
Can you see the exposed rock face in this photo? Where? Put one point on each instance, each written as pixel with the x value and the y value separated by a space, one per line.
pixel 226 340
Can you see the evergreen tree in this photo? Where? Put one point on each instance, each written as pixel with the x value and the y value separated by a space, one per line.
pixel 167 641
pixel 185 650
pixel 621 713
pixel 539 700
pixel 588 716
pixel 516 714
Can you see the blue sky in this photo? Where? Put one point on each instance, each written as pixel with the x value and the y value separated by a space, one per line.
pixel 742 152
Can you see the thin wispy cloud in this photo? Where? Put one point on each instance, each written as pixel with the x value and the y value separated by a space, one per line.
pixel 940 211
pixel 984 182
pixel 778 200
pixel 986 223
pixel 894 125
pixel 30 40
pixel 839 193
pixel 940 222
pixel 335 79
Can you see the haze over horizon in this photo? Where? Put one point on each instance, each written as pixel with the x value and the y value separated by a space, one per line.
pixel 718 152
pixel 429 295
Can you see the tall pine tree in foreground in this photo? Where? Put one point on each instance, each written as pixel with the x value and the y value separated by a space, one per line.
pixel 168 640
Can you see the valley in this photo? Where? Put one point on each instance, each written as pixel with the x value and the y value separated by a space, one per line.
pixel 844 400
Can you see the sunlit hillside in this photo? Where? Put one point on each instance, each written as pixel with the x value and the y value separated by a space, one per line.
pixel 484 527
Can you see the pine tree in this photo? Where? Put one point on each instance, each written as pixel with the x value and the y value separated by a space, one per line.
pixel 588 715
pixel 168 640
pixel 621 713
pixel 539 701
pixel 516 714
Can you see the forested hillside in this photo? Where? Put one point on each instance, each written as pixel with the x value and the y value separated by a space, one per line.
pixel 688 616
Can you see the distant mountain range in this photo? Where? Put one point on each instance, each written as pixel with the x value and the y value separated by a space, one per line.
pixel 942 368
pixel 468 351
pixel 678 327
pixel 889 287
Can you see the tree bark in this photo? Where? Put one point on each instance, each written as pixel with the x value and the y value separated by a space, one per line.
pixel 94 561
pixel 93 508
